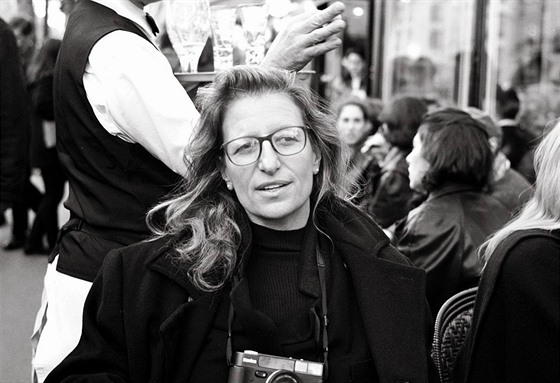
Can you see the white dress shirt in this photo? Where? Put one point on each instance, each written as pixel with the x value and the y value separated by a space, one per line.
pixel 134 94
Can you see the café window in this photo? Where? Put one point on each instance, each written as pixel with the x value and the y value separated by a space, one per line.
pixel 426 49
pixel 524 56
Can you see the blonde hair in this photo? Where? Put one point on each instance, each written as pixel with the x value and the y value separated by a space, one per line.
pixel 542 211
pixel 202 213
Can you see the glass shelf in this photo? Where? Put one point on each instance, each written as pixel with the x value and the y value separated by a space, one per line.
pixel 185 77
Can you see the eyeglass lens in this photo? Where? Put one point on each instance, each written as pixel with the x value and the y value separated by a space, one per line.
pixel 286 141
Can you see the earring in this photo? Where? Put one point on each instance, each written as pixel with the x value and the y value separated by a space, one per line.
pixel 316 170
pixel 229 185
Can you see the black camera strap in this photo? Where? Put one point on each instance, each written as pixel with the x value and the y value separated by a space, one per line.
pixel 323 281
pixel 321 267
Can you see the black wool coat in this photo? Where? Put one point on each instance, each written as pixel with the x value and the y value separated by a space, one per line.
pixel 145 322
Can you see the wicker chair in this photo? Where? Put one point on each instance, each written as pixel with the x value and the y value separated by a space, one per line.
pixel 451 328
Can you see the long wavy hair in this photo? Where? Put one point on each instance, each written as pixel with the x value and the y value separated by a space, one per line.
pixel 201 213
pixel 542 211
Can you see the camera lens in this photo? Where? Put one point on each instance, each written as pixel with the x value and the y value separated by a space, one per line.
pixel 282 377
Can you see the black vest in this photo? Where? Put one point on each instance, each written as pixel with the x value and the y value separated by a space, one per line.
pixel 112 183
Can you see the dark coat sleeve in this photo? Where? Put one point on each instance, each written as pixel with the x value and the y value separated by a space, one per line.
pixel 101 354
pixel 14 120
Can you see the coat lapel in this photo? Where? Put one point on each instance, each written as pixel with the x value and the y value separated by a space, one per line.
pixel 391 295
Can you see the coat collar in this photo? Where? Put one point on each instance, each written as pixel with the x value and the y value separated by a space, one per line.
pixel 451 188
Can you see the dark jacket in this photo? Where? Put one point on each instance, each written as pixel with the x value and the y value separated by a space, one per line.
pixel 442 236
pixel 145 322
pixel 393 198
pixel 515 332
pixel 14 120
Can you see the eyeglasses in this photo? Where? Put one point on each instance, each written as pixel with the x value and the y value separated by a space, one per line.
pixel 287 141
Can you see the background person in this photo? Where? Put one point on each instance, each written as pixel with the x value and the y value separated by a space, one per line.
pixel 393 198
pixel 43 149
pixel 264 193
pixel 507 185
pixel 123 122
pixel 352 81
pixel 452 162
pixel 14 119
pixel 357 122
pixel 516 321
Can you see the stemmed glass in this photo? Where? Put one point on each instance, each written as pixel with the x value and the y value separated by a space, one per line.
pixel 254 19
pixel 188 25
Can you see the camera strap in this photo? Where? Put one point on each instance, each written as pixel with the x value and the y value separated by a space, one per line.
pixel 321 267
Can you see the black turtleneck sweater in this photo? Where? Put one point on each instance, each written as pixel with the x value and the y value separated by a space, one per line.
pixel 273 275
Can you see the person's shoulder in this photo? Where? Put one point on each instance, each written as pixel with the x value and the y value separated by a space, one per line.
pixel 531 255
pixel 140 253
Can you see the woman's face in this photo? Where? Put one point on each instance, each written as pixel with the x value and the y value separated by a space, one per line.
pixel 354 64
pixel 275 190
pixel 417 165
pixel 352 125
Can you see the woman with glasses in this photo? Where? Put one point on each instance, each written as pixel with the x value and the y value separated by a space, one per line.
pixel 258 251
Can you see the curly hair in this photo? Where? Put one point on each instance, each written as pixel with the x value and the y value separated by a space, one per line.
pixel 202 211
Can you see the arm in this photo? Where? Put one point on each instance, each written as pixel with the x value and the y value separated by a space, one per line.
pixel 136 97
pixel 307 36
pixel 101 354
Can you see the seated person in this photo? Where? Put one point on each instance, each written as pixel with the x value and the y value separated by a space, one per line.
pixel 357 122
pixel 516 320
pixel 506 184
pixel 393 198
pixel 452 162
pixel 258 242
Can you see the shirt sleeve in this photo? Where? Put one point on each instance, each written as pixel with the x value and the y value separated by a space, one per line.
pixel 136 97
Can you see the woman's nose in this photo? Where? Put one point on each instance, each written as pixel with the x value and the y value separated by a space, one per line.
pixel 269 160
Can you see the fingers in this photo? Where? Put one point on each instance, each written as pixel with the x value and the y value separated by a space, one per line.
pixel 326 16
pixel 321 34
pixel 323 47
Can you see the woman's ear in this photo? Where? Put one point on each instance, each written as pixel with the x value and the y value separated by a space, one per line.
pixel 229 184
pixel 316 163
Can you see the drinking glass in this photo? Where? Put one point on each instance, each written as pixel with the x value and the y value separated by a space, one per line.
pixel 254 18
pixel 223 24
pixel 188 26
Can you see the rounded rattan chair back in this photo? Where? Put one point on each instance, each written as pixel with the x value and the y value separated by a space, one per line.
pixel 451 328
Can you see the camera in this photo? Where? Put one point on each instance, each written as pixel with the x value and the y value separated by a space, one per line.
pixel 252 367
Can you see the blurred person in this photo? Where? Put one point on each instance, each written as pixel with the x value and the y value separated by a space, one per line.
pixel 516 321
pixel 357 122
pixel 517 142
pixel 67 6
pixel 393 198
pixel 451 161
pixel 506 184
pixel 43 149
pixel 238 263
pixel 24 31
pixel 352 81
pixel 123 123
pixel 14 119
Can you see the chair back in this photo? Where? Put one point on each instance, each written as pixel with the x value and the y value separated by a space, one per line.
pixel 452 325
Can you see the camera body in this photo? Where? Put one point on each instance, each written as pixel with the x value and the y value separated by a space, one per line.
pixel 252 367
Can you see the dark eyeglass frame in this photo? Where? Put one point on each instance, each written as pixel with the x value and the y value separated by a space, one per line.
pixel 268 138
